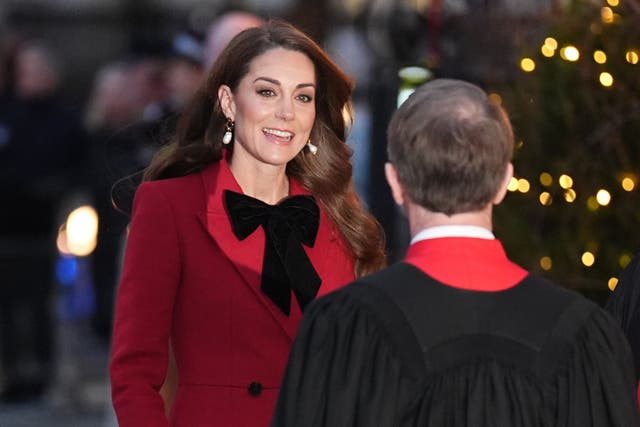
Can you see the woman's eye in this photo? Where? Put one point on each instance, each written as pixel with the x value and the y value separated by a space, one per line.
pixel 266 92
pixel 305 98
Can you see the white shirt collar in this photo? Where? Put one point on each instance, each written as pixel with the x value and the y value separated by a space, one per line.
pixel 453 231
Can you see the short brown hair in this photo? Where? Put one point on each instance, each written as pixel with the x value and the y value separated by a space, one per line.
pixel 450 144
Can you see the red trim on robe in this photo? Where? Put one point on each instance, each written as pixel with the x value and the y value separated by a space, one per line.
pixel 466 263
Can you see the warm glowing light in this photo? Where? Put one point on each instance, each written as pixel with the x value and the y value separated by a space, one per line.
pixel 82 230
pixel 570 195
pixel 612 283
pixel 624 260
pixel 61 241
pixel 632 56
pixel 513 184
pixel 570 53
pixel 545 199
pixel 613 3
pixel 547 51
pixel 546 263
pixel 628 184
pixel 551 43
pixel 606 79
pixel 606 13
pixel 600 57
pixel 603 197
pixel 592 204
pixel 527 65
pixel 495 98
pixel 523 185
pixel 588 259
pixel 546 179
pixel 565 181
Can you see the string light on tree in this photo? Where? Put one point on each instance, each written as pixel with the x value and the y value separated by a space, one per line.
pixel 612 283
pixel 628 183
pixel 527 65
pixel 570 195
pixel 546 263
pixel 546 179
pixel 513 184
pixel 600 57
pixel 565 181
pixel 570 53
pixel 603 197
pixel 632 56
pixel 523 185
pixel 624 259
pixel 588 259
pixel 545 198
pixel 606 79
pixel 606 13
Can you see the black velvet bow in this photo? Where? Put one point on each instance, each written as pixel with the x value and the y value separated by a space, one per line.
pixel 287 225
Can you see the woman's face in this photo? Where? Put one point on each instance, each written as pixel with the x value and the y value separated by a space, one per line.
pixel 273 108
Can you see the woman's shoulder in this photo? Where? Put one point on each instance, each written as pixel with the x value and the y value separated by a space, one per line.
pixel 182 190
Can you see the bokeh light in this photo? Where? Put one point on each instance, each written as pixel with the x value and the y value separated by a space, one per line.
pixel 588 259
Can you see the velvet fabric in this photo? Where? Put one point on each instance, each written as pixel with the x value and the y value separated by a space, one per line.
pixel 287 225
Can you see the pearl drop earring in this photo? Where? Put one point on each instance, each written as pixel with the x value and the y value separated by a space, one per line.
pixel 312 148
pixel 228 134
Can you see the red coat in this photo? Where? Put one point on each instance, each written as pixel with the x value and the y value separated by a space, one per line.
pixel 188 279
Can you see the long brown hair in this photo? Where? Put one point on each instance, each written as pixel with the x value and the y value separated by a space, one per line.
pixel 327 175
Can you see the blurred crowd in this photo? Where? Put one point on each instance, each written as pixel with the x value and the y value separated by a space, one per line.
pixel 51 152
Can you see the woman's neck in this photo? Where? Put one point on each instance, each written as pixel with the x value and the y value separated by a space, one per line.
pixel 267 183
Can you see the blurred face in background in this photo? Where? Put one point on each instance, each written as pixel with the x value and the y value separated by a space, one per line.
pixel 183 79
pixel 36 75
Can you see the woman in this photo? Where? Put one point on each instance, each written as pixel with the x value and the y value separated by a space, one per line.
pixel 251 203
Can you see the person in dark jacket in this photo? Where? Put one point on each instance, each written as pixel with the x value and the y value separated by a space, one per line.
pixel 42 157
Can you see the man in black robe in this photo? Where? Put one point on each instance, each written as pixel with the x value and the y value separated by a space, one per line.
pixel 456 334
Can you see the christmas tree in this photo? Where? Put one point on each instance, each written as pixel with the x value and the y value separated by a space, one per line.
pixel 573 211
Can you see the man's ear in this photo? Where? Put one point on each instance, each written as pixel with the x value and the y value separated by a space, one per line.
pixel 502 192
pixel 396 188
pixel 227 103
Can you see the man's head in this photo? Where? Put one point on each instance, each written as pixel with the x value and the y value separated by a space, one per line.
pixel 451 147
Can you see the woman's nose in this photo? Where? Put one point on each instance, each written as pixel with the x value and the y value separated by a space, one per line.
pixel 285 110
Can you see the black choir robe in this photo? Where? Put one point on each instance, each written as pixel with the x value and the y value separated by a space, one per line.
pixel 483 343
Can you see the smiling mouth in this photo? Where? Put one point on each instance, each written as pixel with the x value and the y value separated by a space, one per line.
pixel 280 134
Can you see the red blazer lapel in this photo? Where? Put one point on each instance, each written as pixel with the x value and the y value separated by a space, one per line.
pixel 247 255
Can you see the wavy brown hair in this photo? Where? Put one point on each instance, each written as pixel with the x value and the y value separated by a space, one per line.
pixel 327 175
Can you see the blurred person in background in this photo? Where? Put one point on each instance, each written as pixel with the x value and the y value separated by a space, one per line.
pixel 264 138
pixel 109 114
pixel 43 158
pixel 185 68
pixel 224 28
pixel 131 112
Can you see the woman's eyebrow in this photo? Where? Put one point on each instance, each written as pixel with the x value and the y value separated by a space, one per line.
pixel 276 82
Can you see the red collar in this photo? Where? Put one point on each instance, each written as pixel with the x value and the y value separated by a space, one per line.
pixel 466 263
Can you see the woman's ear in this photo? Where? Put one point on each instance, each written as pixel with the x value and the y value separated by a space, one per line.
pixel 227 104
